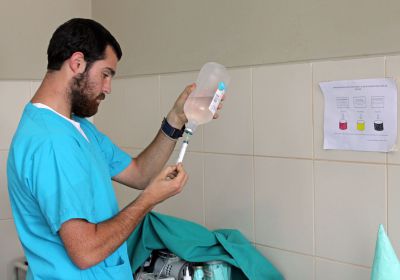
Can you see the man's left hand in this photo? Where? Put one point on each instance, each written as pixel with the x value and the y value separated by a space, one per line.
pixel 176 117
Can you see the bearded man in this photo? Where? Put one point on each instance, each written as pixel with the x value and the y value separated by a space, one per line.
pixel 60 167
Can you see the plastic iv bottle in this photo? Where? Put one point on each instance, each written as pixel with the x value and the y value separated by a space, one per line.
pixel 203 102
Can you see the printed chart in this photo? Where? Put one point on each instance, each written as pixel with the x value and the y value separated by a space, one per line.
pixel 360 115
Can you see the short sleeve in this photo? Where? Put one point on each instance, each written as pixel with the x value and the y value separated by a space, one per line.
pixel 62 183
pixel 117 159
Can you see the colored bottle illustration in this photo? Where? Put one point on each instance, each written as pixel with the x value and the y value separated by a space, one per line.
pixel 378 124
pixel 360 124
pixel 343 123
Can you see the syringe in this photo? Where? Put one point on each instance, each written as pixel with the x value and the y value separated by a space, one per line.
pixel 185 143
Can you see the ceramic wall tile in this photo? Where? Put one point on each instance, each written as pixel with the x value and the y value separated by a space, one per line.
pixel 5 209
pixel 229 192
pixel 330 270
pixel 130 114
pixel 15 95
pixel 11 249
pixel 284 203
pixel 232 132
pixel 291 265
pixel 350 203
pixel 283 110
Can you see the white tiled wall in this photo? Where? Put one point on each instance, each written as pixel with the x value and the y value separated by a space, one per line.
pixel 331 270
pixel 394 205
pixel 283 110
pixel 192 195
pixel 14 95
pixel 11 249
pixel 229 192
pixel 260 168
pixel 134 123
pixel 5 210
pixel 235 120
pixel 291 265
pixel 350 201
pixel 284 197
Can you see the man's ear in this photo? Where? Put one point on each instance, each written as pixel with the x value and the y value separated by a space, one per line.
pixel 77 63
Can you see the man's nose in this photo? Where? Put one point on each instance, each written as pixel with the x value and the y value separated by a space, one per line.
pixel 107 87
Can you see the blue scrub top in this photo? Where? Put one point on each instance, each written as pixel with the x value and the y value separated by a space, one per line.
pixel 54 175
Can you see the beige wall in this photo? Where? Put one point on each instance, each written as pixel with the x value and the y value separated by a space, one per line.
pixel 261 168
pixel 26 27
pixel 175 35
pixel 14 94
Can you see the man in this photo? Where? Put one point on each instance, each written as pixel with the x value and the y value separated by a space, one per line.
pixel 60 166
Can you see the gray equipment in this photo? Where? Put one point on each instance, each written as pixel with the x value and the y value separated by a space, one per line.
pixel 169 265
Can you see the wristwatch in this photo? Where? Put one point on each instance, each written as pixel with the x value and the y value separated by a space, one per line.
pixel 170 131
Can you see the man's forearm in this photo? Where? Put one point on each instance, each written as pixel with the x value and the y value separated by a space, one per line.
pixel 113 232
pixel 154 157
pixel 88 244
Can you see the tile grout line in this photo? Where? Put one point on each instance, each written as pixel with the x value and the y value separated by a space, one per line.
pixel 313 171
pixel 204 175
pixel 159 97
pixel 279 157
pixel 300 61
pixel 386 169
pixel 312 256
pixel 252 157
pixel 7 219
pixel 387 197
pixel 204 188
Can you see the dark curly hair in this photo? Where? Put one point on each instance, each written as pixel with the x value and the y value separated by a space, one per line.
pixel 80 35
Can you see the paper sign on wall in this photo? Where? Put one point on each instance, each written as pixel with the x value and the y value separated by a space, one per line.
pixel 360 115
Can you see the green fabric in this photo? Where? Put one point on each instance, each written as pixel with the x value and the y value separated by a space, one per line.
pixel 386 264
pixel 195 243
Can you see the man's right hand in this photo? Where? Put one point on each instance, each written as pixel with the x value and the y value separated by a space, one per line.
pixel 87 243
pixel 169 182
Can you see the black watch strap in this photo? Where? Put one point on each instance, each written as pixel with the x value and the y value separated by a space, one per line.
pixel 171 131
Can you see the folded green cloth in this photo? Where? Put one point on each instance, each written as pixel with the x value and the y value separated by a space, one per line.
pixel 195 243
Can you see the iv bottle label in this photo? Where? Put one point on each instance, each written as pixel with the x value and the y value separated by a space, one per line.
pixel 216 100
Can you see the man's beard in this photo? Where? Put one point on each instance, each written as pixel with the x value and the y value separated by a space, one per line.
pixel 83 100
